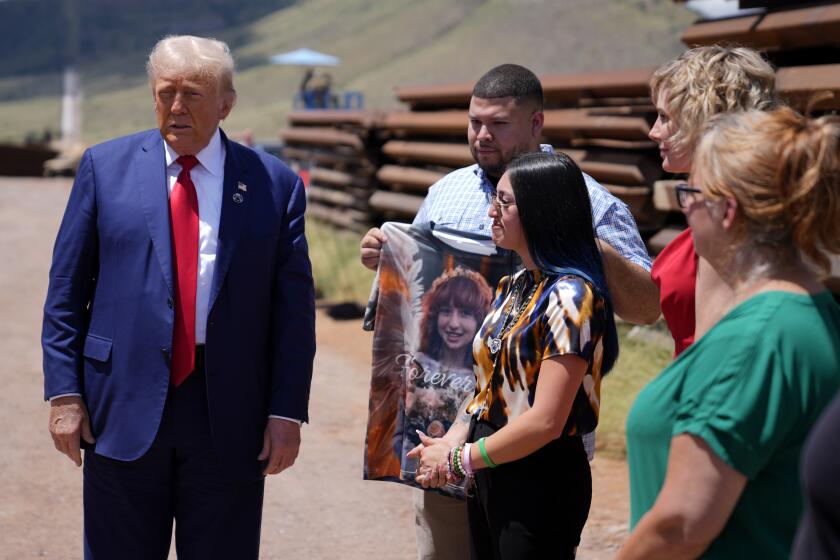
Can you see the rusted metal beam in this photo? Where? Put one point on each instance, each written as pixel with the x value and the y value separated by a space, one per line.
pixel 661 238
pixel 638 145
pixel 432 122
pixel 358 192
pixel 624 109
pixel 615 167
pixel 557 89
pixel 408 177
pixel 736 30
pixel 665 196
pixel 638 199
pixel 321 136
pixel 579 123
pixel 362 119
pixel 611 172
pixel 338 178
pixel 559 123
pixel 28 161
pixel 783 30
pixel 433 96
pixel 454 154
pixel 797 84
pixel 401 204
pixel 567 88
pixel 359 164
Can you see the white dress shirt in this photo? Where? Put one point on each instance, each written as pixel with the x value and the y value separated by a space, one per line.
pixel 209 178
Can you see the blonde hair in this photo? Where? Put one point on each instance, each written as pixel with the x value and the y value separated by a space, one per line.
pixel 186 55
pixel 708 80
pixel 783 169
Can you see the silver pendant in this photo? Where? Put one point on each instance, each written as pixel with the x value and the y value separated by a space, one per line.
pixel 495 344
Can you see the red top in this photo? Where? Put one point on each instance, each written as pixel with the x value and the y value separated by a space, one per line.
pixel 675 272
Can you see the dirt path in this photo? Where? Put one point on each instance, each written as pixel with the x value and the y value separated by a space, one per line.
pixel 321 509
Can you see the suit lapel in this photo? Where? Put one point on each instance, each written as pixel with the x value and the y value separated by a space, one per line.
pixel 232 218
pixel 154 196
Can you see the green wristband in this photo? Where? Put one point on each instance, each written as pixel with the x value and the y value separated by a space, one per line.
pixel 484 454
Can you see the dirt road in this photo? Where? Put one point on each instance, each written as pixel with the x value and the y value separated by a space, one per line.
pixel 320 509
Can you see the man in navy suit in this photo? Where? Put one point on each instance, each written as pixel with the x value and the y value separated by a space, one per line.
pixel 179 327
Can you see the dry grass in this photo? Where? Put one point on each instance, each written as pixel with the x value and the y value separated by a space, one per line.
pixel 339 275
pixel 640 359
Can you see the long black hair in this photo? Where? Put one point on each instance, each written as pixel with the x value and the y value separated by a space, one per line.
pixel 556 215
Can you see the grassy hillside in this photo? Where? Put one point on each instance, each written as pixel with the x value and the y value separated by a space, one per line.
pixel 381 44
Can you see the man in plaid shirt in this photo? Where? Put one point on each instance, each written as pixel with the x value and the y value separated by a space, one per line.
pixel 506 120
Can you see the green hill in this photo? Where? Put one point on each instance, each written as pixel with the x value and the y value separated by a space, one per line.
pixel 382 44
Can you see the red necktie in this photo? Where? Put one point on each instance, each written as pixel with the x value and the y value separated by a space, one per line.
pixel 183 211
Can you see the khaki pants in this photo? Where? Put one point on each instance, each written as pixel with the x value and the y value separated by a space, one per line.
pixel 442 529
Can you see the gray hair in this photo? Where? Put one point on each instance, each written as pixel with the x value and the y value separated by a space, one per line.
pixel 186 55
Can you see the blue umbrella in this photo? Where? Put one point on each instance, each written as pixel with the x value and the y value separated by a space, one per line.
pixel 305 57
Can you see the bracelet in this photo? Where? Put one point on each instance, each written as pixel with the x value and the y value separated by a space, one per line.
pixel 468 460
pixel 449 461
pixel 457 464
pixel 484 454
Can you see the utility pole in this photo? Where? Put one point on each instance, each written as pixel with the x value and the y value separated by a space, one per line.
pixel 71 99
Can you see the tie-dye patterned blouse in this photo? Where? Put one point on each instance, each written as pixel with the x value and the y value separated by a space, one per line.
pixel 564 316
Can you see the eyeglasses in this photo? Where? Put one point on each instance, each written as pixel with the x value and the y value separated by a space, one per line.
pixel 687 194
pixel 498 204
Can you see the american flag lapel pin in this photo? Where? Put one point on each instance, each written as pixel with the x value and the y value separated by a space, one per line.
pixel 241 188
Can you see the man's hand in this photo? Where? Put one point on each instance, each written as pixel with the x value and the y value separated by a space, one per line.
pixel 371 247
pixel 634 294
pixel 281 443
pixel 68 423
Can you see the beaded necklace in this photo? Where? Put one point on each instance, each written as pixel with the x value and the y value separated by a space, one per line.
pixel 514 311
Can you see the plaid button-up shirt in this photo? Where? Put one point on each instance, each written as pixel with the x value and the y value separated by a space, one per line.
pixel 460 201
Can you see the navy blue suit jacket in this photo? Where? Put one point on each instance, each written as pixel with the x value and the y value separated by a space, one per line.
pixel 109 312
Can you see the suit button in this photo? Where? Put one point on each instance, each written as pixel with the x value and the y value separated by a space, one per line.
pixel 169 302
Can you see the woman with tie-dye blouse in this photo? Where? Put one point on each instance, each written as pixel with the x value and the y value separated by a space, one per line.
pixel 540 354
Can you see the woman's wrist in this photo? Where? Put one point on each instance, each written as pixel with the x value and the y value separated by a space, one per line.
pixel 485 460
pixel 468 463
pixel 452 440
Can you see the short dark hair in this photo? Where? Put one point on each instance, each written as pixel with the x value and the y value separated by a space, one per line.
pixel 510 80
pixel 556 215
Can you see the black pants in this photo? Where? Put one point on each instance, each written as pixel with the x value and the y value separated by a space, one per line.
pixel 129 506
pixel 532 508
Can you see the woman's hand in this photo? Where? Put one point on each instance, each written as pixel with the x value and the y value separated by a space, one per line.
pixel 432 470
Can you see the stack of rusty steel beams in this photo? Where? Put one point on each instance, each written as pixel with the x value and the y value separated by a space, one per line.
pixel 600 119
pixel 370 167
pixel 24 160
pixel 339 153
pixel 803 42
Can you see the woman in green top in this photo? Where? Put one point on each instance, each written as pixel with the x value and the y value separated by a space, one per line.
pixel 714 441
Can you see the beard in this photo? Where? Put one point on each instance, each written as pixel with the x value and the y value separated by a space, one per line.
pixel 494 170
